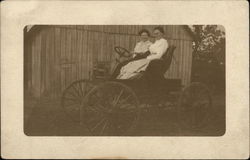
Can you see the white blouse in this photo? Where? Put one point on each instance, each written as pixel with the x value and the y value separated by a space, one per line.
pixel 157 49
pixel 142 47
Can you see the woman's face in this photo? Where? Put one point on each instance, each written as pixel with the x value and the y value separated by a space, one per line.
pixel 144 36
pixel 157 34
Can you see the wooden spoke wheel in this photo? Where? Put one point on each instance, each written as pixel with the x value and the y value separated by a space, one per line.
pixel 110 109
pixel 195 106
pixel 72 98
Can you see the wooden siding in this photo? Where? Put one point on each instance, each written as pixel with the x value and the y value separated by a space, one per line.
pixel 63 54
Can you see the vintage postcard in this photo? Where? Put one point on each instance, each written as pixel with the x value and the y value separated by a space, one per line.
pixel 124 79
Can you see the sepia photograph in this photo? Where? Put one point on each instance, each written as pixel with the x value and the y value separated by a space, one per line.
pixel 124 80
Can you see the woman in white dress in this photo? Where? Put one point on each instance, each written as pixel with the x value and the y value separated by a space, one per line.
pixel 156 50
pixel 143 46
pixel 140 51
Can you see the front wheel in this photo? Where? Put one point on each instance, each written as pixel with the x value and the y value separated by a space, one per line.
pixel 110 109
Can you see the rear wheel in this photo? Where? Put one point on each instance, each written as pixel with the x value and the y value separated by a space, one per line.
pixel 195 106
pixel 110 109
pixel 72 98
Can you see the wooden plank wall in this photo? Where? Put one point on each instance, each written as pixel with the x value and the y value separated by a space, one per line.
pixel 63 54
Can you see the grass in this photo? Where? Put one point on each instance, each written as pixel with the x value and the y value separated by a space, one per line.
pixel 47 118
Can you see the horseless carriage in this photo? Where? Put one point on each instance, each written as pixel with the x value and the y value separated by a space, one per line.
pixel 114 106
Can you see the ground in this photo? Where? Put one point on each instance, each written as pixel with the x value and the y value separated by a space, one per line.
pixel 47 118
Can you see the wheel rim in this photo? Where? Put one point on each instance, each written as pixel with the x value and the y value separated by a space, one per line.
pixel 195 106
pixel 121 52
pixel 110 109
pixel 73 96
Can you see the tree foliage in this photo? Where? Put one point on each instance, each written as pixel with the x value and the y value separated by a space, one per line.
pixel 209 55
pixel 209 43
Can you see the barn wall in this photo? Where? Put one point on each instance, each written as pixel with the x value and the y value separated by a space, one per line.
pixel 63 54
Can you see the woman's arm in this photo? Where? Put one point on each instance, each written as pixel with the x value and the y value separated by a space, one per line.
pixel 136 49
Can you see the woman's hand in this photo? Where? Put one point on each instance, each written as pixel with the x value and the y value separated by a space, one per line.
pixel 133 54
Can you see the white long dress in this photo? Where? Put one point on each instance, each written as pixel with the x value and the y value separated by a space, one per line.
pixel 157 49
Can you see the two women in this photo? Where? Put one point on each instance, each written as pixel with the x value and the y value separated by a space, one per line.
pixel 152 51
pixel 140 51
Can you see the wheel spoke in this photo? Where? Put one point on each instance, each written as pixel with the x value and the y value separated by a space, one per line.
pixel 81 91
pixel 74 104
pixel 70 103
pixel 104 127
pixel 91 117
pixel 77 91
pixel 95 96
pixel 125 99
pixel 123 123
pixel 100 122
pixel 116 99
pixel 102 96
pixel 70 98
pixel 87 88
pixel 102 102
pixel 96 108
pixel 91 108
pixel 97 102
pixel 71 94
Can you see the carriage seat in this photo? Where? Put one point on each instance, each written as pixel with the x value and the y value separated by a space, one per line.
pixel 158 67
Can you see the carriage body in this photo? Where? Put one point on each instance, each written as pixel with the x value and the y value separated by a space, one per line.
pixel 122 101
pixel 153 92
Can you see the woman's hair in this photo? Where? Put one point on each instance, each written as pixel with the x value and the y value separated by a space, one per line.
pixel 159 29
pixel 144 31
